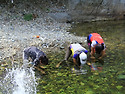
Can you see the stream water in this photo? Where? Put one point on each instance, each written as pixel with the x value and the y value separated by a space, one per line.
pixel 61 80
pixel 108 81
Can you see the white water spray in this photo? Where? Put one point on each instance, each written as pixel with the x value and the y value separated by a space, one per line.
pixel 19 80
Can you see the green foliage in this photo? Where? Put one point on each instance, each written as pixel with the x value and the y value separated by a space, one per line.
pixel 28 17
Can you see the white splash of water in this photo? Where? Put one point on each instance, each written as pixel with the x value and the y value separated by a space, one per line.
pixel 19 80
pixel 11 1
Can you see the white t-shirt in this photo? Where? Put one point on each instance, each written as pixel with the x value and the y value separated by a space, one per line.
pixel 76 47
pixel 93 43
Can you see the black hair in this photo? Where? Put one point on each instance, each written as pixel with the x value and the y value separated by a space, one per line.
pixel 88 41
pixel 78 60
pixel 99 48
pixel 44 60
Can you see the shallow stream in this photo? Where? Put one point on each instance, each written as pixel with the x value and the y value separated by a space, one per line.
pixel 108 81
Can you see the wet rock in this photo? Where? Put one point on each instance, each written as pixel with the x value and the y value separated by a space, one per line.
pixel 4 65
pixel 2 69
pixel 62 47
pixel 73 4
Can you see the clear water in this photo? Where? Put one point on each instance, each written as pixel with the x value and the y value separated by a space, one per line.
pixel 62 81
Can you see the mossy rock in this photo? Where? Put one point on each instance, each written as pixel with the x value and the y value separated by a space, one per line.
pixel 119 87
pixel 89 92
pixel 121 76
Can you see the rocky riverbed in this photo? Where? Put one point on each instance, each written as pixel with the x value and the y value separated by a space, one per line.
pixel 17 33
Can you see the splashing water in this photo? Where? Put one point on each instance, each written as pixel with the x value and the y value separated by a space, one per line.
pixel 19 80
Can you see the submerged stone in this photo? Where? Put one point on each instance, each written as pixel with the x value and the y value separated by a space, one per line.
pixel 119 87
pixel 121 76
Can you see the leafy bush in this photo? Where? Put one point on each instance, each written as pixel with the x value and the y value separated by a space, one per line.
pixel 28 17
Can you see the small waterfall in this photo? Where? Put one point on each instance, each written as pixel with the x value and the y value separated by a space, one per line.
pixel 19 80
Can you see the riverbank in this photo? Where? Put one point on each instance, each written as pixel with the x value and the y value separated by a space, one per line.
pixel 17 33
pixel 22 21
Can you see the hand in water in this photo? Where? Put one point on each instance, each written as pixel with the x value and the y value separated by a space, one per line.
pixel 92 57
pixel 99 58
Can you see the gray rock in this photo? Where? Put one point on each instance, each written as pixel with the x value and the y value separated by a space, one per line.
pixel 60 17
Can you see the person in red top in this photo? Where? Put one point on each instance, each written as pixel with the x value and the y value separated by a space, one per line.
pixel 96 45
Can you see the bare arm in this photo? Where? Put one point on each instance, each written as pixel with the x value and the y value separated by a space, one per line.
pixel 102 54
pixel 43 72
pixel 92 53
pixel 42 67
pixel 74 60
